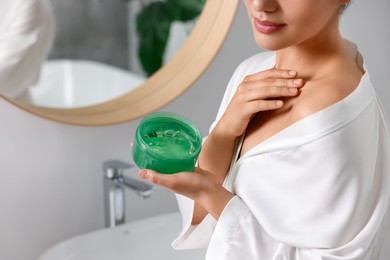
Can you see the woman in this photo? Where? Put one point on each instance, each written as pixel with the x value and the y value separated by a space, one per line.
pixel 296 163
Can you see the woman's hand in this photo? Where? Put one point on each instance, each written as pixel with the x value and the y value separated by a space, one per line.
pixel 258 92
pixel 200 186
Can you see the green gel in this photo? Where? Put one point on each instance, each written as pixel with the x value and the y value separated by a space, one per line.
pixel 167 143
pixel 170 143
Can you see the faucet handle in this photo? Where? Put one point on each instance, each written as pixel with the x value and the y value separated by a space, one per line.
pixel 113 168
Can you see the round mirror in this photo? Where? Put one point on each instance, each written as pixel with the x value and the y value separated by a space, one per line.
pixel 177 71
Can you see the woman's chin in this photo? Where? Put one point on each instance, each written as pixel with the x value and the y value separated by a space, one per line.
pixel 269 43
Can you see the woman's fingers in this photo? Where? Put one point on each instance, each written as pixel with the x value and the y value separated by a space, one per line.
pixel 265 105
pixel 175 182
pixel 189 184
pixel 200 186
pixel 271 82
pixel 258 92
pixel 178 180
pixel 270 92
pixel 154 177
pixel 271 73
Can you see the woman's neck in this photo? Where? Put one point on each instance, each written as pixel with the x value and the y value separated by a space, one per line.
pixel 315 58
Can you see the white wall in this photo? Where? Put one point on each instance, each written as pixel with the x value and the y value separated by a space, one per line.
pixel 51 177
pixel 367 22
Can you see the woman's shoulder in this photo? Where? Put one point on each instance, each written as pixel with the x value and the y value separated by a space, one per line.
pixel 319 94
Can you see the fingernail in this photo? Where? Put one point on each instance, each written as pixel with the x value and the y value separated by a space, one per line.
pixel 292 72
pixel 292 90
pixel 143 174
pixel 278 103
pixel 297 81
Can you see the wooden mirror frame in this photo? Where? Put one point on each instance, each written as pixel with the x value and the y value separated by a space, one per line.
pixel 165 85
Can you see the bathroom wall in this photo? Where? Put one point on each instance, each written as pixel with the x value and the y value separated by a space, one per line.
pixel 51 174
pixel 366 23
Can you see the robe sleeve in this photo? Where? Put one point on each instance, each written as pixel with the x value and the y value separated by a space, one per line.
pixel 26 36
pixel 198 236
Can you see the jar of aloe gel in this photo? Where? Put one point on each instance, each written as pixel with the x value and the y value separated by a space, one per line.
pixel 167 143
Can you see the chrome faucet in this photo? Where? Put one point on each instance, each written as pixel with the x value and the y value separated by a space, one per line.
pixel 114 186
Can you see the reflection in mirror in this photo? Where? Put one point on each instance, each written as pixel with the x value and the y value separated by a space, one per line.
pixel 103 49
pixel 166 84
pixel 26 35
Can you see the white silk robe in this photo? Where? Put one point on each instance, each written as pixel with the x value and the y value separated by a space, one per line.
pixel 318 189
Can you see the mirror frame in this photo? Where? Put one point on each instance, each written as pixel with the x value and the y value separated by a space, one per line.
pixel 162 87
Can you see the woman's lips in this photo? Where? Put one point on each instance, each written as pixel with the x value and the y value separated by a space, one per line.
pixel 267 27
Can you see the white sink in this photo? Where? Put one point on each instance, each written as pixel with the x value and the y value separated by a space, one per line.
pixel 147 239
pixel 78 83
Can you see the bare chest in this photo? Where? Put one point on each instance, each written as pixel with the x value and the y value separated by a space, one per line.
pixel 264 125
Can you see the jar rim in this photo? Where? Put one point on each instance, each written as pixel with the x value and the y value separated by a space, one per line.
pixel 172 118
